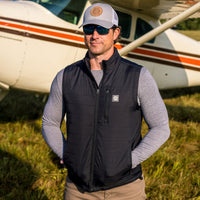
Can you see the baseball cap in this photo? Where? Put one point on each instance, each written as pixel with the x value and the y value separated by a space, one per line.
pixel 100 14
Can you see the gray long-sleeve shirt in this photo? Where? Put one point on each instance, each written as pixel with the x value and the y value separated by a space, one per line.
pixel 152 105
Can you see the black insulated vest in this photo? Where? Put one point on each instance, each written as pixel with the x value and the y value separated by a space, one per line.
pixel 103 124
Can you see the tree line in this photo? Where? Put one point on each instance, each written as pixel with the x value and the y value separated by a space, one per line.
pixel 189 24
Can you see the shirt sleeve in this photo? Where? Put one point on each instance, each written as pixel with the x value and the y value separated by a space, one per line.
pixel 53 116
pixel 155 115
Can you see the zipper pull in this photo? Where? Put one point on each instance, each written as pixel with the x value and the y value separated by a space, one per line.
pixel 107 91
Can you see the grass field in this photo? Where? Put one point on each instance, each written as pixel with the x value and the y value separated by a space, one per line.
pixel 193 34
pixel 29 170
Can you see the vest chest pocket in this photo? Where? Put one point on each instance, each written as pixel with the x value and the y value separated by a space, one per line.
pixel 113 101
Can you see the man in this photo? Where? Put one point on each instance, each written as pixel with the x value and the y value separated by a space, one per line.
pixel 104 97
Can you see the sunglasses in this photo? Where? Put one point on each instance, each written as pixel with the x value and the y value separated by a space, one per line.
pixel 89 29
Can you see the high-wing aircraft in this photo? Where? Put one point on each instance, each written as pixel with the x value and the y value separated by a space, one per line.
pixel 40 37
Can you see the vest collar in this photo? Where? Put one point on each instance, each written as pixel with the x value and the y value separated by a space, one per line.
pixel 109 64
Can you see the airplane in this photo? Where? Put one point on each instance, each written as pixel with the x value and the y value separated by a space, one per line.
pixel 40 37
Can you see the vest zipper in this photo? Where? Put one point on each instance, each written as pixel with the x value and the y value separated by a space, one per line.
pixel 94 141
pixel 106 106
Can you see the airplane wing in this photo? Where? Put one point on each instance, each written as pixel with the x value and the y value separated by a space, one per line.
pixel 162 9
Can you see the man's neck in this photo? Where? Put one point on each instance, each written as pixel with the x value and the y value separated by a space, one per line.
pixel 96 63
pixel 96 60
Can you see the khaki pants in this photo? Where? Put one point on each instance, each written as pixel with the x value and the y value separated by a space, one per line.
pixel 131 191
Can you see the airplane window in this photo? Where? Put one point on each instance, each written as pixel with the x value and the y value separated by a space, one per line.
pixel 68 10
pixel 125 23
pixel 143 27
pixel 73 11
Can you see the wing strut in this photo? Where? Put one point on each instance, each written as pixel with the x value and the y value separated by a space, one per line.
pixel 148 36
pixel 4 89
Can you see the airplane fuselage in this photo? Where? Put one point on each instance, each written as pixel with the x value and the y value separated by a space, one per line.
pixel 36 44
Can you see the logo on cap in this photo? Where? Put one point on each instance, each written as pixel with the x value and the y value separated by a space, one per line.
pixel 96 11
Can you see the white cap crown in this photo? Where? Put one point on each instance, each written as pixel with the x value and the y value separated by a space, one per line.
pixel 100 14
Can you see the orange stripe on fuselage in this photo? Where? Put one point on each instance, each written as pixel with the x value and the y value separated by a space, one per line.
pixel 168 56
pixel 42 31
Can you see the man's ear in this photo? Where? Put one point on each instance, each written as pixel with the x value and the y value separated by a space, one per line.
pixel 116 33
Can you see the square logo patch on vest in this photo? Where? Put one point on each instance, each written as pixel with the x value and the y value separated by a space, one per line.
pixel 115 98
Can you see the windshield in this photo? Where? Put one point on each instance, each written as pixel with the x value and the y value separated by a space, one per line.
pixel 142 27
pixel 68 10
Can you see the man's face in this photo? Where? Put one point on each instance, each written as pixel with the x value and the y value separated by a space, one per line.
pixel 98 44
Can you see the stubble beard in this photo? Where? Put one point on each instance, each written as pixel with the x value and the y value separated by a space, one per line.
pixel 98 52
